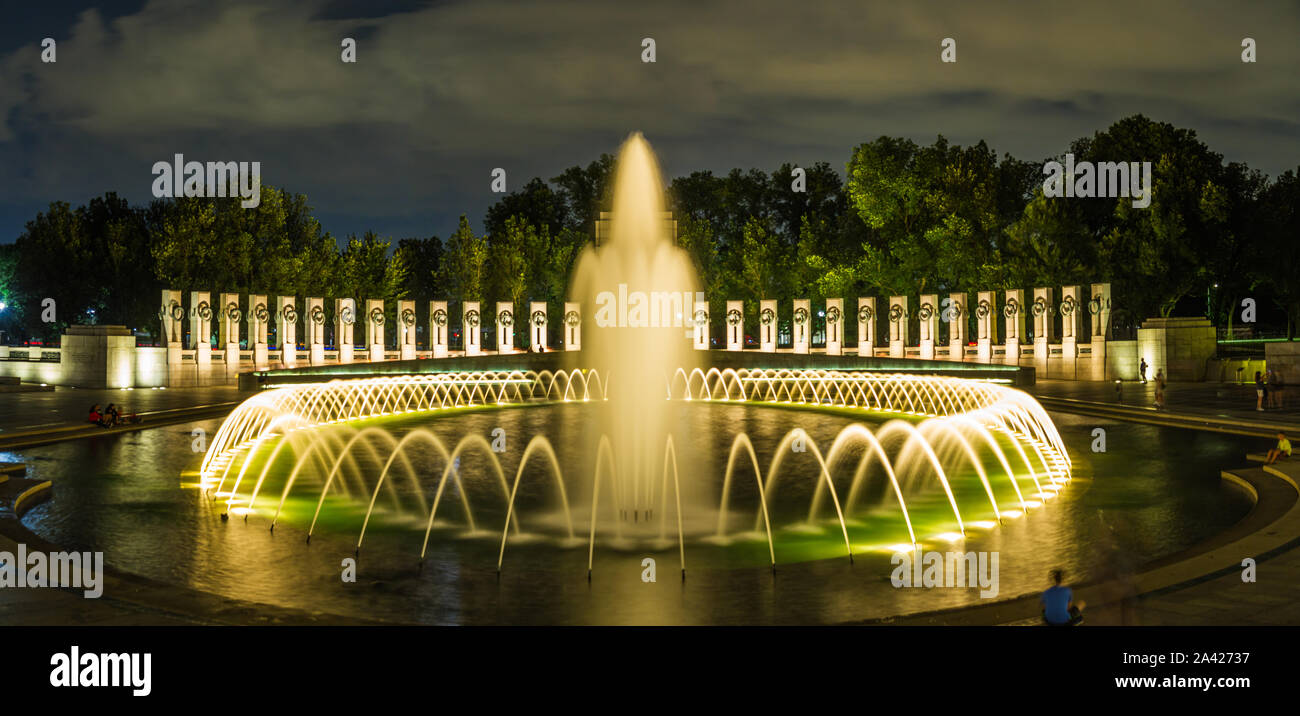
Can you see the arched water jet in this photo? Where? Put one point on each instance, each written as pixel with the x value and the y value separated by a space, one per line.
pixel 789 438
pixel 742 441
pixel 538 440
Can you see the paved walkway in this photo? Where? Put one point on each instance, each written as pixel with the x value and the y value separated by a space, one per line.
pixel 52 408
pixel 1211 400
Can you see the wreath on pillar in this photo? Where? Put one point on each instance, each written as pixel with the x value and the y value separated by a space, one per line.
pixel 896 313
pixel 925 312
pixel 408 316
pixel 1040 307
pixel 539 318
pixel 1068 305
pixel 289 313
pixel 261 314
pixel 1012 308
pixel 346 315
pixel 572 318
pixel 506 318
pixel 203 311
pixel 734 317
pixel 865 313
pixel 833 314
pixel 767 316
pixel 440 317
pixel 317 315
pixel 801 315
pixel 983 309
pixel 471 318
pixel 177 312
pixel 954 311
pixel 377 316
pixel 1096 304
pixel 233 312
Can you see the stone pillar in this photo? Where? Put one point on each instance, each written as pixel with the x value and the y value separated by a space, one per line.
pixel 259 325
pixel 928 323
pixel 802 326
pixel 898 306
pixel 172 314
pixel 867 327
pixel 99 356
pixel 537 326
pixel 375 329
pixel 834 326
pixel 438 328
pixel 1071 309
pixel 315 326
pixel 471 319
pixel 1013 313
pixel 572 326
pixel 406 329
pixel 1099 306
pixel 345 321
pixel 286 311
pixel 1181 346
pixel 201 315
pixel 505 320
pixel 985 310
pixel 735 325
pixel 955 315
pixel 1042 309
pixel 228 330
pixel 767 325
pixel 701 324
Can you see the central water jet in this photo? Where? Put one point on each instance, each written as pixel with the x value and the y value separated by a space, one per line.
pixel 642 286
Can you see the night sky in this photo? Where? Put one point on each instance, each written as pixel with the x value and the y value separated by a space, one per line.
pixel 404 140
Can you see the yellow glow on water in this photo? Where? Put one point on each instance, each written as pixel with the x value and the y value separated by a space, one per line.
pixel 949 537
pixel 1011 514
pixel 983 524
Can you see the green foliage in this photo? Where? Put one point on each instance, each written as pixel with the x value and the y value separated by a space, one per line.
pixel 907 219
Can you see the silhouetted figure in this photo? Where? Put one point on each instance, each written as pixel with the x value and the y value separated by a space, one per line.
pixel 1059 608
pixel 1160 389
pixel 1142 370
pixel 1261 391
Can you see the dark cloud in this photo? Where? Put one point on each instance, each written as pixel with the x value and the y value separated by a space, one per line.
pixel 405 140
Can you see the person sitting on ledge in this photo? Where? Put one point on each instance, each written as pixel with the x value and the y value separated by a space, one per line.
pixel 1283 449
pixel 1059 608
pixel 112 415
pixel 97 417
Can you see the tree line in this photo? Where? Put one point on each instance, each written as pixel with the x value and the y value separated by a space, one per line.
pixel 904 219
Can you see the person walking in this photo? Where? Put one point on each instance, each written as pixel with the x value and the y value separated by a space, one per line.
pixel 1160 389
pixel 1261 391
pixel 1142 370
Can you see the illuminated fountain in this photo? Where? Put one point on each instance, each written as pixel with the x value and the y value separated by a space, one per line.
pixel 316 440
pixel 969 454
